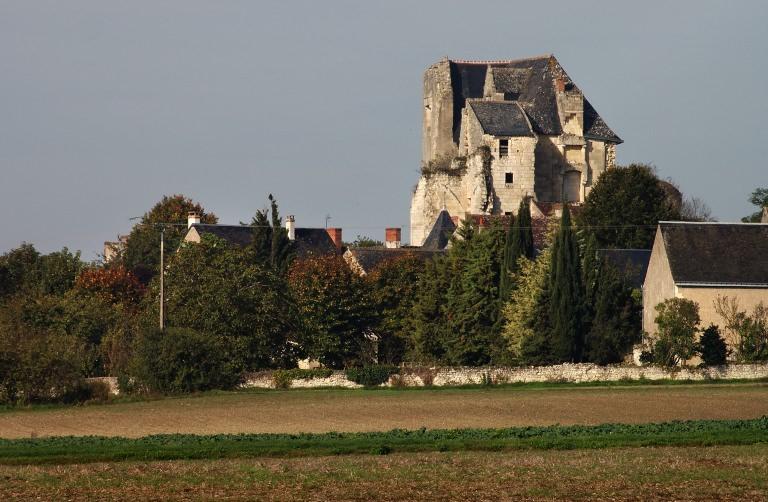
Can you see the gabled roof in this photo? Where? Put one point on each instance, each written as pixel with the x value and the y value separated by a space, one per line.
pixel 237 235
pixel 632 262
pixel 501 118
pixel 535 94
pixel 441 232
pixel 717 254
pixel 309 241
pixel 369 258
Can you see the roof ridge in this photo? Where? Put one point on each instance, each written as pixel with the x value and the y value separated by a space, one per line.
pixel 711 223
pixel 500 61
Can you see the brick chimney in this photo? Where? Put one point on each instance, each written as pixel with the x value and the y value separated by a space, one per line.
pixel 193 218
pixel 335 235
pixel 290 227
pixel 392 238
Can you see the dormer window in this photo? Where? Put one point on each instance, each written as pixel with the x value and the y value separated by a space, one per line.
pixel 503 148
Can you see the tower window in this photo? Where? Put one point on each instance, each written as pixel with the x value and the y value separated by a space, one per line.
pixel 508 178
pixel 503 147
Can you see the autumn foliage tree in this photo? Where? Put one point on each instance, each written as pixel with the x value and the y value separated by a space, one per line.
pixel 142 251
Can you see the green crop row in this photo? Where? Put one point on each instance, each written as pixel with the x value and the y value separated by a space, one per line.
pixel 71 449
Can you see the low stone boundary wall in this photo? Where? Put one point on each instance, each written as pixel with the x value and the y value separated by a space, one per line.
pixel 577 373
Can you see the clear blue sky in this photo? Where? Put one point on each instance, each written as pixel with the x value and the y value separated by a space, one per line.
pixel 105 106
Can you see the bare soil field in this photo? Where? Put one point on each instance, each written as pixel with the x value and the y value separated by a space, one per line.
pixel 380 410
pixel 712 473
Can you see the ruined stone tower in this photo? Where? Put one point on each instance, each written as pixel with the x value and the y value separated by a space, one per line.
pixel 497 131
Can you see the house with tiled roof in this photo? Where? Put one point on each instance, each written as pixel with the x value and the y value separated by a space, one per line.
pixel 704 261
pixel 496 132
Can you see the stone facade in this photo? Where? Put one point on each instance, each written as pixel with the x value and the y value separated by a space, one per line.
pixel 545 139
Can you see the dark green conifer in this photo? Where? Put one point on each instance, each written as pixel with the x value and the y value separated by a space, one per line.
pixel 519 242
pixel 567 295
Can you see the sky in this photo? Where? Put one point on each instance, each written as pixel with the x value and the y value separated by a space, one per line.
pixel 105 106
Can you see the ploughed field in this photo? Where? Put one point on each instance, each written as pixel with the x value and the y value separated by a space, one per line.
pixel 319 410
pixel 658 473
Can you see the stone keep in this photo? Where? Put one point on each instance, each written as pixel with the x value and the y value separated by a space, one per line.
pixel 495 132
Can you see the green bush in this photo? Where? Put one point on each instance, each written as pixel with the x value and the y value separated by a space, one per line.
pixel 283 378
pixel 178 360
pixel 712 347
pixel 371 376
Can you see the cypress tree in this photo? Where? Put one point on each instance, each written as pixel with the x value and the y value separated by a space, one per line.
pixel 519 242
pixel 270 244
pixel 616 319
pixel 566 290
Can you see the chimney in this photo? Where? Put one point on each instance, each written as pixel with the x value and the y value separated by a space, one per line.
pixel 764 219
pixel 335 235
pixel 290 226
pixel 392 238
pixel 193 218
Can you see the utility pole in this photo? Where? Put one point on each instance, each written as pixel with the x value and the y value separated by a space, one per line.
pixel 162 277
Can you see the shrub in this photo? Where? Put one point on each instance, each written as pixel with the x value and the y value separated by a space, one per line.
pixel 371 376
pixel 712 347
pixel 282 379
pixel 678 320
pixel 178 360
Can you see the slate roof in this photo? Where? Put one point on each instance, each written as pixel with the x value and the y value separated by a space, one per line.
pixel 501 118
pixel 712 254
pixel 369 258
pixel 536 93
pixel 309 241
pixel 510 81
pixel 633 262
pixel 441 232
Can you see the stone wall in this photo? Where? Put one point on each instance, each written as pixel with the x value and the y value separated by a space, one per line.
pixel 577 373
pixel 449 377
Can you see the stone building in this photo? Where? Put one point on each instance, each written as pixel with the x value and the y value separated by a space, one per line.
pixel 495 132
pixel 701 261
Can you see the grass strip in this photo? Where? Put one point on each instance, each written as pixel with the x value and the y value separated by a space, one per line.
pixel 81 449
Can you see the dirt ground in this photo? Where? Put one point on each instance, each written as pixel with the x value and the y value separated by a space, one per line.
pixel 712 473
pixel 378 410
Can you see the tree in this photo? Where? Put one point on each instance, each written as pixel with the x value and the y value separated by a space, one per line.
pixel 712 347
pixel 142 250
pixel 335 312
pixel 750 331
pixel 616 321
pixel 695 209
pixel 519 242
pixel 567 294
pixel 24 269
pixel 758 198
pixel 210 288
pixel 181 360
pixel 363 241
pixel 427 314
pixel 116 284
pixel 677 320
pixel 394 286
pixel 473 303
pixel 624 206
pixel 270 245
